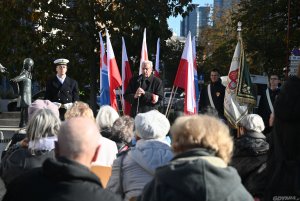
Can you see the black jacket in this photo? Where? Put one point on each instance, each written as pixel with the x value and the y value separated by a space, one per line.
pixel 264 109
pixel 217 94
pixel 62 180
pixel 62 93
pixel 152 85
pixel 191 177
pixel 250 160
pixel 18 161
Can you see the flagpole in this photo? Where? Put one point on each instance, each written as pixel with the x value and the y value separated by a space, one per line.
pixel 169 100
pixel 122 101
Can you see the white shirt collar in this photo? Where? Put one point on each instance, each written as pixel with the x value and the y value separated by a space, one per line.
pixel 61 79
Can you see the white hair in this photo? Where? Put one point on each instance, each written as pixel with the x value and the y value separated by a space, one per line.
pixel 147 62
pixel 106 117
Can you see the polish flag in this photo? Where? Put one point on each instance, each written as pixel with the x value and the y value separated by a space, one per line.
pixel 104 82
pixel 156 72
pixel 144 53
pixel 185 77
pixel 195 73
pixel 126 76
pixel 113 73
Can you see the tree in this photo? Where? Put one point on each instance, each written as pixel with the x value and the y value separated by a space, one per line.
pixel 66 28
pixel 265 33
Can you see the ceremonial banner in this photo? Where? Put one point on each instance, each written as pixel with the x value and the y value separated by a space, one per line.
pixel 239 91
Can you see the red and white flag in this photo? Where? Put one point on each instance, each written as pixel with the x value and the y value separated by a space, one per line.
pixel 185 77
pixel 144 52
pixel 113 73
pixel 126 76
pixel 156 72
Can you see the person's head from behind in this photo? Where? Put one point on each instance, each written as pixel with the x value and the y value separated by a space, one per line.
pixel 273 81
pixel 78 140
pixel 42 104
pixel 122 130
pixel 251 123
pixel 106 117
pixel 79 109
pixel 214 75
pixel 42 127
pixel 202 131
pixel 151 125
pixel 147 67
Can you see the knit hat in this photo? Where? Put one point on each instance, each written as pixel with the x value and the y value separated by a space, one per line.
pixel 151 125
pixel 253 122
pixel 42 104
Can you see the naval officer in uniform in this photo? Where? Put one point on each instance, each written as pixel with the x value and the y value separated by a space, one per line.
pixel 61 89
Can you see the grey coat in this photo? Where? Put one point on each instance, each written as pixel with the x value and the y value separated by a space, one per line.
pixel 138 167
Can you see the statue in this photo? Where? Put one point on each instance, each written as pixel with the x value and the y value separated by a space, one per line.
pixel 24 98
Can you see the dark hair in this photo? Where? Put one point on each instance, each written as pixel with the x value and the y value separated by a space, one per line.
pixel 215 70
pixel 122 130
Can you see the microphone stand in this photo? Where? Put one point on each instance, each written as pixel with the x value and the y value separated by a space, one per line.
pixel 138 101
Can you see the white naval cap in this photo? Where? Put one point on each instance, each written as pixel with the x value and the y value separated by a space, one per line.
pixel 61 61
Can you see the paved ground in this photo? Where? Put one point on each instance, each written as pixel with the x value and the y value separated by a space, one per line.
pixel 9 122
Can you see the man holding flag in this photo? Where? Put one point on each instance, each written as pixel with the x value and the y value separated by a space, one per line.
pixel 145 91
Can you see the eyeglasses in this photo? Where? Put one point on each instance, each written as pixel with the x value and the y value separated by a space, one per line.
pixel 62 66
pixel 273 78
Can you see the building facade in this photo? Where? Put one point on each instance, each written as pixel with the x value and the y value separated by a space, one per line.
pixel 195 21
pixel 222 5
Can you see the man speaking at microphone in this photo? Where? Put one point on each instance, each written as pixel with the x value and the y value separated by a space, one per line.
pixel 145 91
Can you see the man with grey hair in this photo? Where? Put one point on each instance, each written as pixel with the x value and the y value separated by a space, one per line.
pixel 69 177
pixel 145 91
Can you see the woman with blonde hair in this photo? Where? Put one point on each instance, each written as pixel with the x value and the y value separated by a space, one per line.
pixel 199 171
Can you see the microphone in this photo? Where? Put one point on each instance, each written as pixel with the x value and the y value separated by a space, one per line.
pixel 140 78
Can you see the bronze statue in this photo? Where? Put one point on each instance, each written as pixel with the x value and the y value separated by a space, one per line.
pixel 24 99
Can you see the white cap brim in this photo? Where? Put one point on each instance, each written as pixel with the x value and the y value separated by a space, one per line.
pixel 61 61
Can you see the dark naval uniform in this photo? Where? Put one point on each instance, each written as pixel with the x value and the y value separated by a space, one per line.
pixel 151 85
pixel 217 94
pixel 62 93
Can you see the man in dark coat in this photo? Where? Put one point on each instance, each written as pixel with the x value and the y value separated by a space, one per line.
pixel 144 92
pixel 69 177
pixel 61 89
pixel 213 94
pixel 265 107
pixel 283 163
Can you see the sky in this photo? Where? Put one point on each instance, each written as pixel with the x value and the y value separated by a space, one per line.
pixel 174 23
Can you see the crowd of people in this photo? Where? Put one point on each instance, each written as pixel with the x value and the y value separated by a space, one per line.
pixel 193 157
